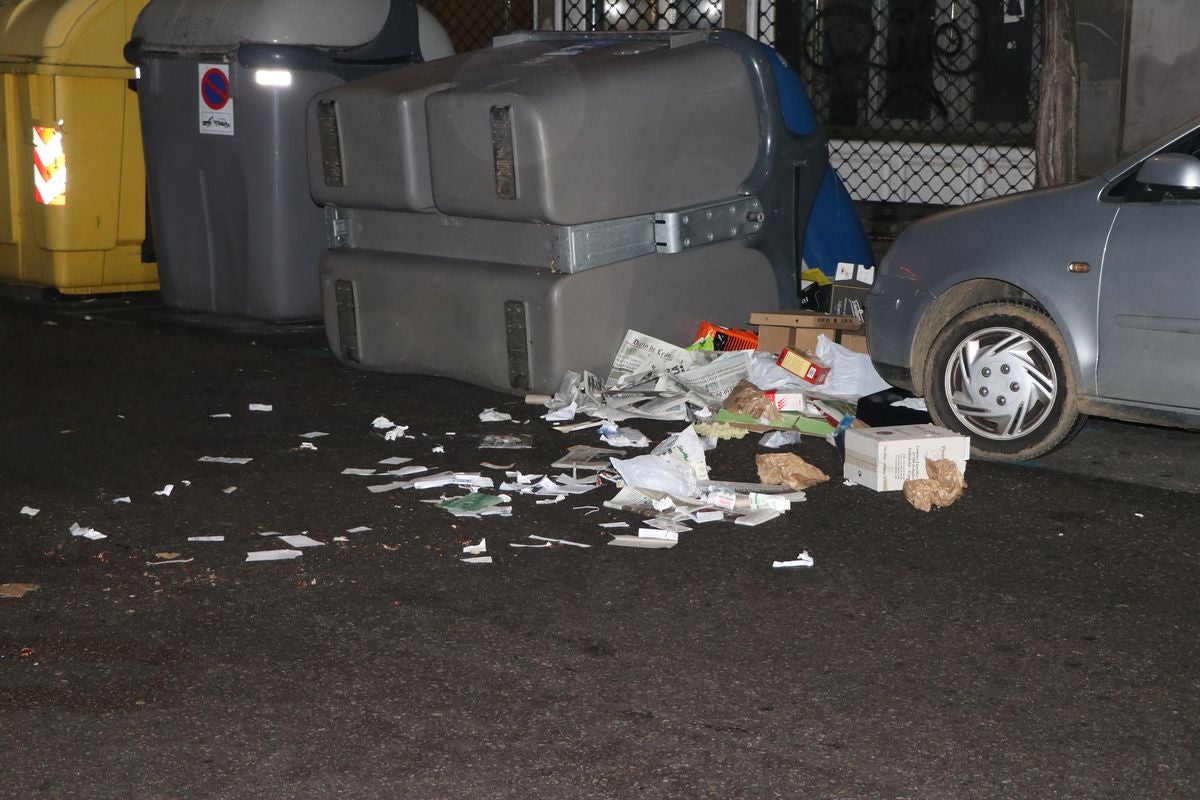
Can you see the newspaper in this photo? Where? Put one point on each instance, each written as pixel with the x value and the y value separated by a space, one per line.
pixel 640 354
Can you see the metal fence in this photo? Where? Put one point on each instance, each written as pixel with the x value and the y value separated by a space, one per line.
pixel 924 101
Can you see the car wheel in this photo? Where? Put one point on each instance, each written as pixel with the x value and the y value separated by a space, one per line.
pixel 999 374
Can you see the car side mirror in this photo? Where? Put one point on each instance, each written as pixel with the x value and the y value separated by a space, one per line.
pixel 1171 171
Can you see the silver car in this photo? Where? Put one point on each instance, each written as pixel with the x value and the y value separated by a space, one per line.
pixel 1017 317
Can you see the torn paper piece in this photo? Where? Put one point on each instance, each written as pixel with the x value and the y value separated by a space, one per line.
pixel 477 560
pixel 944 485
pixel 359 529
pixel 557 541
pixel 307 446
pixel 492 415
pixel 341 538
pixel 551 501
pixel 17 589
pixel 585 457
pixel 802 560
pixel 170 561
pixel 564 414
pixel 655 533
pixel 438 449
pixel 521 477
pixel 270 533
pixel 166 490
pixel 470 505
pixel 777 439
pixel 757 517
pixel 521 544
pixel 775 501
pixel 223 415
pixel 387 487
pixel 357 471
pixel 640 541
pixel 224 460
pixel 30 511
pixel 273 555
pixel 87 533
pixel 571 427
pixel 261 407
pixel 380 423
pixel 913 403
pixel 788 469
pixel 622 437
pixel 476 549
pixel 313 434
pixel 506 441
pixel 300 540
pixel 714 515
pixel 229 489
pixel 206 538
pixel 395 461
pixel 490 465
pixel 588 509
pixel 396 433
pixel 663 504
pixel 664 524
pixel 614 524
pixel 411 469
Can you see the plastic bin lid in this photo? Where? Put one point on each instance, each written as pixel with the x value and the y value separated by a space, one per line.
pixel 190 24
pixel 51 30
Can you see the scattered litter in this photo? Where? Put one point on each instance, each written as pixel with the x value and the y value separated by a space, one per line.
pixel 557 541
pixel 313 434
pixel 614 524
pixel 788 469
pixel 715 515
pixel 914 403
pixel 641 541
pixel 166 490
pixel 471 505
pixel 777 439
pixel 359 529
pixel 492 415
pixel 521 544
pixel 51 323
pixel 29 511
pixel 395 461
pixel 579 426
pixel 849 482
pixel 17 589
pixel 380 423
pixel 412 469
pixel 396 433
pixel 1139 515
pixel 307 446
pixel 622 437
pixel 438 449
pixel 490 465
pixel 941 488
pixel 357 471
pixel 506 441
pixel 588 509
pixel 273 555
pixel 341 538
pixel 802 560
pixel 206 538
pixel 300 540
pixel 759 500
pixel 87 533
pixel 884 458
pixel 477 560
pixel 261 407
pixel 170 561
pixel 222 415
pixel 270 533
pixel 229 489
pixel 757 517
pixel 655 533
pixel 667 524
pixel 550 501
pixel 475 549
pixel 224 460
pixel 387 487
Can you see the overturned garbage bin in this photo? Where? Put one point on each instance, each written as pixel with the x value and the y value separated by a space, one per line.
pixel 73 213
pixel 223 91
pixel 506 215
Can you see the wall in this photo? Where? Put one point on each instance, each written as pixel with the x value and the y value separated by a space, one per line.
pixel 1163 62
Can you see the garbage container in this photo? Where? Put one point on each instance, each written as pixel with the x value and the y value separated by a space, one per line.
pixel 73 213
pixel 223 89
pixel 506 215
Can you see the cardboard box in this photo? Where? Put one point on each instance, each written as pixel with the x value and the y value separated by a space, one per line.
pixel 884 458
pixel 798 330
pixel 803 365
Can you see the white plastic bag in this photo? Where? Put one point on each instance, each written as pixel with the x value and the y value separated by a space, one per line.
pixel 659 473
pixel 851 374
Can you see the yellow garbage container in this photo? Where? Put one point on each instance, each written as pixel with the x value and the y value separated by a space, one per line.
pixel 73 217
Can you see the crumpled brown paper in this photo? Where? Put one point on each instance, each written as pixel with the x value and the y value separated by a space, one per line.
pixel 17 589
pixel 944 485
pixel 746 398
pixel 788 469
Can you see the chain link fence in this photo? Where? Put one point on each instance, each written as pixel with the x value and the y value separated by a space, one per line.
pixel 929 102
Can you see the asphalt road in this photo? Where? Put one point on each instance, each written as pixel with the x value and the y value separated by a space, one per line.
pixel 1036 640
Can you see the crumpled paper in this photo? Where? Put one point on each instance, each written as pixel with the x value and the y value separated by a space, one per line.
pixel 746 398
pixel 944 485
pixel 788 469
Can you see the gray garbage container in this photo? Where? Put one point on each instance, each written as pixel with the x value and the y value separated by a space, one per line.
pixel 223 89
pixel 505 215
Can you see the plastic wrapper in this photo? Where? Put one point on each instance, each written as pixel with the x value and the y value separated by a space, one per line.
pixel 788 469
pixel 944 485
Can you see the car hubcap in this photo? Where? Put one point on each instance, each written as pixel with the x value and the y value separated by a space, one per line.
pixel 1001 383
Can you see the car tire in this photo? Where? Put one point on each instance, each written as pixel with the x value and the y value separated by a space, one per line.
pixel 998 373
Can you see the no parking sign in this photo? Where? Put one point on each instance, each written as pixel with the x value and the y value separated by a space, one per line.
pixel 216 105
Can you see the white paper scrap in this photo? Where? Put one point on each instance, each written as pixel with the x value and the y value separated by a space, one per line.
pixel 759 500
pixel 270 533
pixel 229 489
pixel 307 446
pixel 166 490
pixel 30 511
pixel 357 471
pixel 664 524
pixel 708 516
pixel 411 469
pixel 757 517
pixel 206 538
pixel 224 460
pixel 492 415
pixel 359 529
pixel 382 422
pixel 655 533
pixel 341 538
pixel 551 501
pixel 395 461
pixel 170 561
pixel 87 533
pixel 300 540
pixel 802 560
pixel 438 449
pixel 261 407
pixel 221 416
pixel 520 544
pixel 475 549
pixel 396 433
pixel 477 560
pixel 273 555
pixel 557 541
pixel 125 499
pixel 614 524
pixel 313 434
pixel 639 541
pixel 386 487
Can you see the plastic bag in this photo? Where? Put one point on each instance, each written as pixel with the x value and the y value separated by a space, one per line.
pixel 658 473
pixel 851 374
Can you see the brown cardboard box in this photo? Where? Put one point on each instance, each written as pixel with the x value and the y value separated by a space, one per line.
pixel 799 330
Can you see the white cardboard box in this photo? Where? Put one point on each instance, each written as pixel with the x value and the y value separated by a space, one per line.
pixel 884 458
